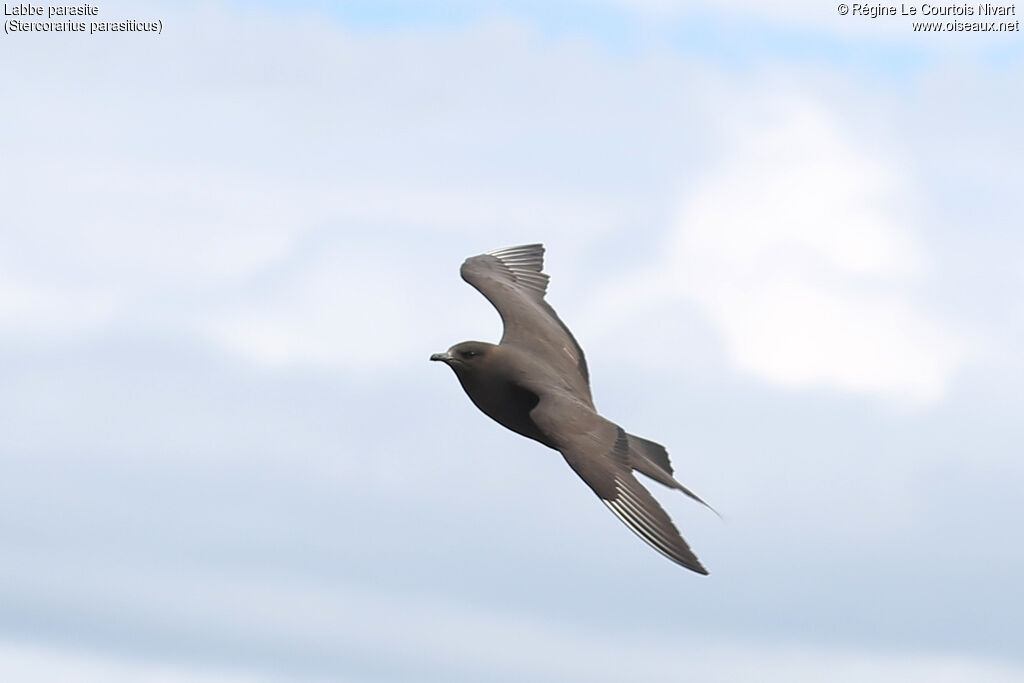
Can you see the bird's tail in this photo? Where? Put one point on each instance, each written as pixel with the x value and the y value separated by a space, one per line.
pixel 651 459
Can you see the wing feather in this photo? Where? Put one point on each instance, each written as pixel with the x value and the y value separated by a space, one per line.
pixel 513 281
pixel 635 506
pixel 607 472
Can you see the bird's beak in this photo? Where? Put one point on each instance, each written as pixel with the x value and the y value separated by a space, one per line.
pixel 444 357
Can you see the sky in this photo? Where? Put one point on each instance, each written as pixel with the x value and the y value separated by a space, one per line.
pixel 788 240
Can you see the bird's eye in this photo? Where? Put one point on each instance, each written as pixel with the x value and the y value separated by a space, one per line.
pixel 470 354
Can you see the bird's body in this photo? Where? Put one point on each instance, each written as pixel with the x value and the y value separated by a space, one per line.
pixel 536 383
pixel 501 397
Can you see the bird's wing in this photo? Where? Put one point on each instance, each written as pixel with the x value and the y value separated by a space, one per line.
pixel 598 451
pixel 512 281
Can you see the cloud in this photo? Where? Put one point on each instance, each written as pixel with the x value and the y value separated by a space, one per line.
pixel 307 206
pixel 347 310
pixel 36 663
pixel 181 230
pixel 607 661
pixel 333 628
pixel 800 246
pixel 40 309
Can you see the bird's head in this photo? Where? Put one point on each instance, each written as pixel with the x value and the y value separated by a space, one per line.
pixel 467 357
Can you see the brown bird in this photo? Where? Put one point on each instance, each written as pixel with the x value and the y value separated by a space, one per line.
pixel 535 382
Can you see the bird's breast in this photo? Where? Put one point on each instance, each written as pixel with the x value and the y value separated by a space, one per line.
pixel 507 404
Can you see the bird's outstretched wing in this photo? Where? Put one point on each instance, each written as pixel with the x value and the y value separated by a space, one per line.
pixel 635 506
pixel 598 451
pixel 610 477
pixel 513 281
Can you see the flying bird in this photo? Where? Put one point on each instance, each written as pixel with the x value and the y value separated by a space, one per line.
pixel 535 382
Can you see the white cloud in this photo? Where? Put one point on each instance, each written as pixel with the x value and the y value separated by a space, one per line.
pixel 800 247
pixel 43 664
pixel 193 191
pixel 174 230
pixel 439 639
pixel 41 309
pixel 567 657
pixel 347 310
